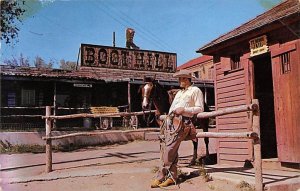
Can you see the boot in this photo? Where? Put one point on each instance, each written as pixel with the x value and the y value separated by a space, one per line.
pixel 167 182
pixel 155 183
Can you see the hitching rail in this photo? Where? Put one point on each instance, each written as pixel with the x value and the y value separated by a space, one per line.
pixel 254 135
pixel 49 122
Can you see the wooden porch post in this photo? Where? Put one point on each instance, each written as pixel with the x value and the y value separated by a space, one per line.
pixel 54 105
pixel 205 95
pixel 257 149
pixel 48 141
pixel 129 97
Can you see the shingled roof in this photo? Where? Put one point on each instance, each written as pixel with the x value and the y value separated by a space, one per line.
pixel 283 10
pixel 87 74
pixel 195 61
pixel 84 73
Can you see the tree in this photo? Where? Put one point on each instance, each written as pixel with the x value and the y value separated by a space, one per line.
pixel 23 62
pixel 19 61
pixel 11 12
pixel 67 65
pixel 12 62
pixel 40 63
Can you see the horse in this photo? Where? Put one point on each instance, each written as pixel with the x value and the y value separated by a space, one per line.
pixel 154 93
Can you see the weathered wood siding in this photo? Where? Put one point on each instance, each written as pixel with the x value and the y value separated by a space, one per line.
pixel 231 91
pixel 287 104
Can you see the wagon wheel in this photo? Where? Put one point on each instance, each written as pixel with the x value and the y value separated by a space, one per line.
pixel 105 123
pixel 134 122
pixel 126 121
pixel 148 118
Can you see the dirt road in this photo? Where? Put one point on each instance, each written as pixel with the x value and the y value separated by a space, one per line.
pixel 127 167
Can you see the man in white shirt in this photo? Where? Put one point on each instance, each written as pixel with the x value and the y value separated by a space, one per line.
pixel 178 127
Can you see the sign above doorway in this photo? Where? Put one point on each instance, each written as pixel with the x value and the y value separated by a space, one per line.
pixel 258 46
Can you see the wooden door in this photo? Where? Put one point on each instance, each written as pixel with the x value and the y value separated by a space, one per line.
pixel 286 82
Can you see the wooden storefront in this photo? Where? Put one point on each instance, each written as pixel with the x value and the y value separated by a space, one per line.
pixel 260 60
pixel 107 76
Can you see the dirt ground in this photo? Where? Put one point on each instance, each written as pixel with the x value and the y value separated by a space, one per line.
pixel 125 180
pixel 128 167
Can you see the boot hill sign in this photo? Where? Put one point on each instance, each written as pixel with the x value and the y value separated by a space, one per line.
pixel 123 58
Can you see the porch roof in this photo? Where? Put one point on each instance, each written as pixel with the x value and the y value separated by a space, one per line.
pixel 96 75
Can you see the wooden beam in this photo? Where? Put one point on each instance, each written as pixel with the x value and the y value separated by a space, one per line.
pixel 257 149
pixel 54 105
pixel 228 110
pixel 98 133
pixel 129 97
pixel 242 135
pixel 21 116
pixel 41 107
pixel 48 141
pixel 80 115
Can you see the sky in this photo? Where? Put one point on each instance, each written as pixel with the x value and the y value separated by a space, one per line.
pixel 55 29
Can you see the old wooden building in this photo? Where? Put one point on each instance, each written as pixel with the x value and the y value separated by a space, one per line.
pixel 202 68
pixel 106 76
pixel 260 60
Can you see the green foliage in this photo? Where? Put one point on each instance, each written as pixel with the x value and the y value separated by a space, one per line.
pixel 11 12
pixel 268 4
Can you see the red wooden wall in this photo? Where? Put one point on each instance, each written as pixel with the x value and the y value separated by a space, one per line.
pixel 232 90
pixel 287 101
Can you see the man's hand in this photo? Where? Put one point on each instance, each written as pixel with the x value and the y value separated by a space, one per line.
pixel 179 110
pixel 162 117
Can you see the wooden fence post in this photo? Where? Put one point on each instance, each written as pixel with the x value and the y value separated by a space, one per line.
pixel 257 149
pixel 48 141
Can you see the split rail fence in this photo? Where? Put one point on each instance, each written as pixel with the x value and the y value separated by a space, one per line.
pixel 49 124
pixel 254 134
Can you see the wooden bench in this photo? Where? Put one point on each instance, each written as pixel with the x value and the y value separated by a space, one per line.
pixel 105 122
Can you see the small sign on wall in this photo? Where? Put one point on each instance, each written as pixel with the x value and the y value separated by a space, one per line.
pixel 258 45
pixel 83 85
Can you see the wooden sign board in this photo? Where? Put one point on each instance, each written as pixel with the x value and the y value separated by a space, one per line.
pixel 130 59
pixel 258 46
pixel 83 85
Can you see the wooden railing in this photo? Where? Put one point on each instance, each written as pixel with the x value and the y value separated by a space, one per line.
pixel 254 134
pixel 49 124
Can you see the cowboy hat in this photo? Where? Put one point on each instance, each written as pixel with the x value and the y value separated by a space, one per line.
pixel 183 74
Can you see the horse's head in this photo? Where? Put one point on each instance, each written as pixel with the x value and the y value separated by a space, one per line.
pixel 148 92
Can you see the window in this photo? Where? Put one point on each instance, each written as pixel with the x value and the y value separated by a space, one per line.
pixel 196 74
pixel 235 62
pixel 40 98
pixel 28 97
pixel 285 63
pixel 11 99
